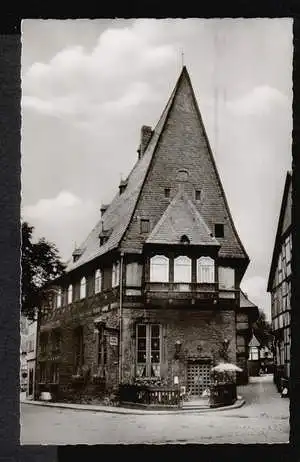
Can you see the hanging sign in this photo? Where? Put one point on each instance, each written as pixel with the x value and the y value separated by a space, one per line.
pixel 113 340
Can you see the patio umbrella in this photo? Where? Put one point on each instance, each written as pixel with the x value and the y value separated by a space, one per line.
pixel 226 367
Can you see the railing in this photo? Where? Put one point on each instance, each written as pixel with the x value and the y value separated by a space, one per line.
pixel 149 395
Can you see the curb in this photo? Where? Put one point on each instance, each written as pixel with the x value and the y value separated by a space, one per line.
pixel 119 410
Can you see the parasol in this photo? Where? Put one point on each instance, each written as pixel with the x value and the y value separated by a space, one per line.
pixel 226 367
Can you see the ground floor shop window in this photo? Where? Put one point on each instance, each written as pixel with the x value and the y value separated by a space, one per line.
pixel 148 350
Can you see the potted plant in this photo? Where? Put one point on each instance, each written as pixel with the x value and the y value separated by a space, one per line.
pixel 223 388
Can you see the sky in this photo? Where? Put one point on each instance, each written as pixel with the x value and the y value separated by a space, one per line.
pixel 89 85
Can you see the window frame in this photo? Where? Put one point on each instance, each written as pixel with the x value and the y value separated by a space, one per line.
pixel 98 281
pixel 148 364
pixel 166 268
pixel 144 225
pixel 177 264
pixel 203 268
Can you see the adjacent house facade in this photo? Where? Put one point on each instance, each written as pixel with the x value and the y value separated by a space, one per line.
pixel 154 291
pixel 279 286
pixel 31 358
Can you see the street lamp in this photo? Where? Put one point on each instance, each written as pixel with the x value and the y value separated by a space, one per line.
pixel 178 346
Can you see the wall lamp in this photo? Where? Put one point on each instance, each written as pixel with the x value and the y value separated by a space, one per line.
pixel 178 346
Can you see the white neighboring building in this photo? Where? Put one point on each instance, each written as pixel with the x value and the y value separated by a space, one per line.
pixel 31 359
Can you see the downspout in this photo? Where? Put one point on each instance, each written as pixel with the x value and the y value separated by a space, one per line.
pixel 121 319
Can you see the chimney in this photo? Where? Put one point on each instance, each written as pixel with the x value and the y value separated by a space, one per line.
pixel 122 186
pixel 103 208
pixel 146 134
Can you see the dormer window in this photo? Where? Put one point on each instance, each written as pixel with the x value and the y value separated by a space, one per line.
pixel 82 288
pixel 76 254
pixel 104 236
pixel 145 226
pixel 219 230
pixel 167 192
pixel 122 186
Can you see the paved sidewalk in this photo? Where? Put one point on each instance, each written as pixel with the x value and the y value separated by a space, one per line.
pixel 132 411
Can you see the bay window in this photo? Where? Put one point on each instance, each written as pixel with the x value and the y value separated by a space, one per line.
pixel 182 269
pixel 83 288
pixel 226 278
pixel 159 269
pixel 98 281
pixel 134 274
pixel 148 350
pixel 205 270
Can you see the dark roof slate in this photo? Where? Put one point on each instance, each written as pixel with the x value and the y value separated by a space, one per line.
pixel 119 212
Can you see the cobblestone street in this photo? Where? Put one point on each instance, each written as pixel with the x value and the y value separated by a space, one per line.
pixel 263 419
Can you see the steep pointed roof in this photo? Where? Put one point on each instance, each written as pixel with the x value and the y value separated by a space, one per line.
pixel 118 216
pixel 284 224
pixel 181 218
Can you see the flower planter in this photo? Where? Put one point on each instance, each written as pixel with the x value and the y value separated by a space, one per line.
pixel 77 380
pixel 150 395
pixel 222 394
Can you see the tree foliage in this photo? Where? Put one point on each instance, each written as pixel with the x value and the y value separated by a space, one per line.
pixel 41 264
pixel 262 329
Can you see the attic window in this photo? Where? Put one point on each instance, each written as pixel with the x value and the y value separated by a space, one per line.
pixel 219 230
pixel 167 192
pixel 182 175
pixel 197 194
pixel 184 239
pixel 76 254
pixel 145 226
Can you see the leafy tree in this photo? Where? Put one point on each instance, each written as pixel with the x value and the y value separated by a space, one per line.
pixel 262 329
pixel 41 264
